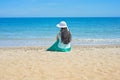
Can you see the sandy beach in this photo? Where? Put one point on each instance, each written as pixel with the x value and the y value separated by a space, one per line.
pixel 82 63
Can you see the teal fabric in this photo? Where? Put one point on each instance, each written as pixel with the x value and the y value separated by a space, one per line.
pixel 55 47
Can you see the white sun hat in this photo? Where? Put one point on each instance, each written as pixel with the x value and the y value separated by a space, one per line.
pixel 62 24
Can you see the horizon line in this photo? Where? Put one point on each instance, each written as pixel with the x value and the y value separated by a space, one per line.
pixel 65 17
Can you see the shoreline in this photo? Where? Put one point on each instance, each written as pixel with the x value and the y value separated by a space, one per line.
pixel 73 46
pixel 50 41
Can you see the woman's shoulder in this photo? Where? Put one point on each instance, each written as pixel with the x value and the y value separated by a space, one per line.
pixel 59 34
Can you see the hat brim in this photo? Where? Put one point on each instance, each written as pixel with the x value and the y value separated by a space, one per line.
pixel 59 26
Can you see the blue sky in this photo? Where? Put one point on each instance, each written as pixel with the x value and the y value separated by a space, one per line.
pixel 59 8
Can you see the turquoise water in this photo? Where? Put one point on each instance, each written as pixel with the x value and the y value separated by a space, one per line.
pixel 42 31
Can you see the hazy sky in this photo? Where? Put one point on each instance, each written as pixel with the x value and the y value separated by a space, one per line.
pixel 59 8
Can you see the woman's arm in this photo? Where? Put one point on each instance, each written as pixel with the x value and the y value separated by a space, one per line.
pixel 57 37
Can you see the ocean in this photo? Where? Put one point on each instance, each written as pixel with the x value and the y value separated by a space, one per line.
pixel 42 31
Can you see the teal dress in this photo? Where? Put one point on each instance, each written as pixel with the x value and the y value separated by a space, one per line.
pixel 59 46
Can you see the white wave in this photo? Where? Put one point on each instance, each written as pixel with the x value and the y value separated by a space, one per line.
pixel 96 40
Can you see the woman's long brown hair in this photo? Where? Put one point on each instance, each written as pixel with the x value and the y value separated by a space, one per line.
pixel 66 36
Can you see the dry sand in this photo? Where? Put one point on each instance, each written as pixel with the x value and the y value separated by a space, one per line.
pixel 82 63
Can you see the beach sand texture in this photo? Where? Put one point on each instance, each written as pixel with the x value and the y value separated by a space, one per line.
pixel 82 63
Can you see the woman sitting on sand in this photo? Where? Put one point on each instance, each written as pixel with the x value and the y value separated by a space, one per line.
pixel 63 39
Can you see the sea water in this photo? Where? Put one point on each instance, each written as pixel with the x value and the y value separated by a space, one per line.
pixel 42 31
